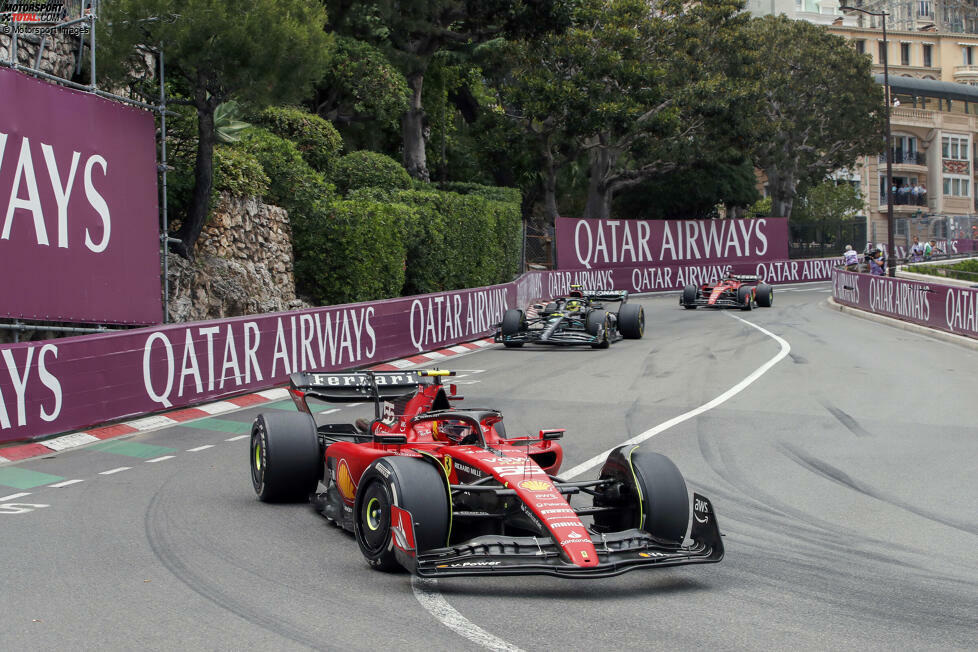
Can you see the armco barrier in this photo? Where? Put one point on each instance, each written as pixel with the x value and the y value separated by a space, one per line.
pixel 62 385
pixel 942 307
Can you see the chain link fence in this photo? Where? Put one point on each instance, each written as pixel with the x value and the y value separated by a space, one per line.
pixel 539 248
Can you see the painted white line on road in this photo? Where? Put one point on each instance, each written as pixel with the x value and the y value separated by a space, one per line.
pixel 719 400
pixel 70 441
pixel 15 496
pixel 148 423
pixel 353 404
pixel 400 364
pixel 118 470
pixel 331 411
pixel 427 594
pixel 3 459
pixel 219 407
pixel 435 355
pixel 66 483
pixel 237 438
pixel 200 448
pixel 160 459
pixel 274 394
pixel 458 348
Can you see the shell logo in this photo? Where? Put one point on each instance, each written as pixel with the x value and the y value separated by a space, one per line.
pixel 536 485
pixel 344 481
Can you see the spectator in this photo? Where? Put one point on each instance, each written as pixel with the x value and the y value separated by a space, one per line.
pixel 850 259
pixel 935 249
pixel 923 194
pixel 928 249
pixel 903 192
pixel 877 263
pixel 914 194
pixel 916 251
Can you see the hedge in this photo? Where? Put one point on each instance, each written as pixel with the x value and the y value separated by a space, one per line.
pixel 294 185
pixel 492 193
pixel 366 169
pixel 351 251
pixel 238 172
pixel 316 139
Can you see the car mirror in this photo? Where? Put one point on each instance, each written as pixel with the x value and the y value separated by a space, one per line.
pixel 549 434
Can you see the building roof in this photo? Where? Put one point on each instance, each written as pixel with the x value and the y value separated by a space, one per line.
pixel 931 88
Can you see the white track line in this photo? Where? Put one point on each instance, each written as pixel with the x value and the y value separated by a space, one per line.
pixel 426 590
pixel 15 496
pixel 66 483
pixel 118 470
pixel 200 448
pixel 427 594
pixel 331 411
pixel 160 459
pixel 685 416
pixel 237 438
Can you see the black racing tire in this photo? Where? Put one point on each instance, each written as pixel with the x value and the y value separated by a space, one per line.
pixel 631 321
pixel 286 460
pixel 651 495
pixel 550 308
pixel 744 297
pixel 765 295
pixel 598 323
pixel 690 294
pixel 412 484
pixel 514 322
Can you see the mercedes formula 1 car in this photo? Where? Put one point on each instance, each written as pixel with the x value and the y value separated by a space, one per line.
pixel 579 318
pixel 742 291
pixel 443 491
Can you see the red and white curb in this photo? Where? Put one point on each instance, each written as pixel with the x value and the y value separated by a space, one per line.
pixel 157 421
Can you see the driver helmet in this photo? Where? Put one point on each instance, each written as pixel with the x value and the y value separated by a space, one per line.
pixel 574 304
pixel 452 430
pixel 576 292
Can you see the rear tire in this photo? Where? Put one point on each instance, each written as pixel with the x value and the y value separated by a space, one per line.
pixel 513 323
pixel 744 298
pixel 286 461
pixel 765 295
pixel 631 321
pixel 652 495
pixel 690 294
pixel 411 484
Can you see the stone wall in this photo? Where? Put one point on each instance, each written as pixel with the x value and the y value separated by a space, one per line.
pixel 243 264
pixel 58 57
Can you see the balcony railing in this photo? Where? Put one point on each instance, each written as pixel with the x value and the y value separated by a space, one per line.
pixel 905 199
pixel 970 69
pixel 905 158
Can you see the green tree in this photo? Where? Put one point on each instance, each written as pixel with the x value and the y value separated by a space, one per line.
pixel 642 88
pixel 818 105
pixel 413 31
pixel 252 51
pixel 828 205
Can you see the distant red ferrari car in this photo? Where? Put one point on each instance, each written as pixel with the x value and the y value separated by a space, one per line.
pixel 742 291
pixel 445 491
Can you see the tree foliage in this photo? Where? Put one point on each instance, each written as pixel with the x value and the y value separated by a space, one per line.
pixel 828 204
pixel 252 51
pixel 817 104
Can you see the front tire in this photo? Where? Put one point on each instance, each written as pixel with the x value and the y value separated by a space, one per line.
pixel 744 297
pixel 631 321
pixel 286 461
pixel 690 294
pixel 651 495
pixel 597 324
pixel 514 322
pixel 411 484
pixel 765 295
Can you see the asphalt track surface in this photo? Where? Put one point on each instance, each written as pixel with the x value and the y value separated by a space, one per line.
pixel 843 479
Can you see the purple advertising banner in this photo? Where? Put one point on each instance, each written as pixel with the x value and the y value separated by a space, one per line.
pixel 656 278
pixel 598 244
pixel 79 224
pixel 71 383
pixel 944 307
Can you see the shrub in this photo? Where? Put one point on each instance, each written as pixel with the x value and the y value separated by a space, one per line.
pixel 351 251
pixel 239 173
pixel 316 139
pixel 492 193
pixel 365 169
pixel 293 184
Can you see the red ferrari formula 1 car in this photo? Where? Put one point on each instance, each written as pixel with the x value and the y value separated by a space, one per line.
pixel 443 491
pixel 742 291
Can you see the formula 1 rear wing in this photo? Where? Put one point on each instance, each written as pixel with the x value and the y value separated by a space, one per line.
pixel 746 278
pixel 607 295
pixel 357 386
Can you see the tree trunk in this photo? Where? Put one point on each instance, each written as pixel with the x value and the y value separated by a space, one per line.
pixel 782 185
pixel 412 129
pixel 549 181
pixel 193 223
pixel 599 194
